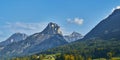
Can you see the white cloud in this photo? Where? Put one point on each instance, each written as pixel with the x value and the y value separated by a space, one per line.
pixel 28 28
pixel 78 21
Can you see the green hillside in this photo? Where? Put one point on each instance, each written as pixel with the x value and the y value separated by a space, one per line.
pixel 95 48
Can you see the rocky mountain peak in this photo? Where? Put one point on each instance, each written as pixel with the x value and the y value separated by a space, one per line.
pixel 73 37
pixel 16 37
pixel 52 28
pixel 76 34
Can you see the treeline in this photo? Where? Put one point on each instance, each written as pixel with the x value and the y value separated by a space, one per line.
pixel 60 57
pixel 56 57
pixel 83 50
pixel 95 48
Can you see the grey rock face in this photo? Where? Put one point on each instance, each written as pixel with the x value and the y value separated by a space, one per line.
pixel 50 37
pixel 14 38
pixel 73 37
pixel 52 28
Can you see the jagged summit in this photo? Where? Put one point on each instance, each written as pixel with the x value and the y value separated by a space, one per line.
pixel 52 28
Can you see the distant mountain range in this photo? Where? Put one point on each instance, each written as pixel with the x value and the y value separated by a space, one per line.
pixel 73 37
pixel 21 44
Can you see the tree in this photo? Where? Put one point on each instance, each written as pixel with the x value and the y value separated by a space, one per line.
pixel 72 57
pixel 109 54
pixel 67 57
pixel 41 57
pixel 80 57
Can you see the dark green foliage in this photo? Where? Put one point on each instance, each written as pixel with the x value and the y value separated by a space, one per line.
pixel 96 48
pixel 82 50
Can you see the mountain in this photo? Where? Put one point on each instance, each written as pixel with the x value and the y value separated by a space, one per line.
pixel 102 40
pixel 51 29
pixel 14 38
pixel 50 37
pixel 73 37
pixel 108 28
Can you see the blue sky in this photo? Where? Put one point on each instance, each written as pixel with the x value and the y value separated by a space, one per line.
pixel 30 16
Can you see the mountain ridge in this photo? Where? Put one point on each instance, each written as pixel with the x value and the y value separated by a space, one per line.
pixel 16 37
pixel 107 28
pixel 50 37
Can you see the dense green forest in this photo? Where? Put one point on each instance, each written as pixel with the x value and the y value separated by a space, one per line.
pixel 82 50
pixel 94 48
